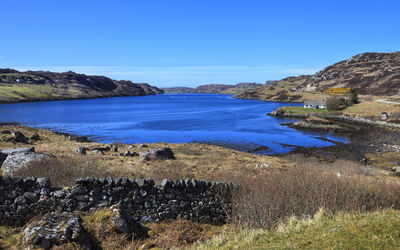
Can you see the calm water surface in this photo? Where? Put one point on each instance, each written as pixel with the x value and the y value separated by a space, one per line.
pixel 175 118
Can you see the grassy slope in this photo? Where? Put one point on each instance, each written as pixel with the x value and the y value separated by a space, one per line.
pixel 33 92
pixel 283 91
pixel 371 108
pixel 363 109
pixel 377 230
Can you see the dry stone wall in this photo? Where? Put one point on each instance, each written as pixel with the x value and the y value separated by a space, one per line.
pixel 196 200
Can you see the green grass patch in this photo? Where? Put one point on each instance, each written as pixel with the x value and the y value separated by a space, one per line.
pixel 377 230
pixel 19 92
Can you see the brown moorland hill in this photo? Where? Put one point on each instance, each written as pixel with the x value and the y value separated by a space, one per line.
pixel 373 74
pixel 215 88
pixel 18 86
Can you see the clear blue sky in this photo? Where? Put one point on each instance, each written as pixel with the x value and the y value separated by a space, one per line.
pixel 191 42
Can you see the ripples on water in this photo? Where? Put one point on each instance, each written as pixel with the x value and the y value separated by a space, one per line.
pixel 175 118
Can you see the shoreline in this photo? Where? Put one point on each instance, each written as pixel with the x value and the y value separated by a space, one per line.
pixel 256 150
pixel 340 118
pixel 72 98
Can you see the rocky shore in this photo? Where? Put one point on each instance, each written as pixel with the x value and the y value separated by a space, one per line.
pixel 339 118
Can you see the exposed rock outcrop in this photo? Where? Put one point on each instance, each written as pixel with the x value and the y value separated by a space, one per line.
pixel 82 150
pixel 124 223
pixel 19 137
pixel 157 154
pixel 356 120
pixel 18 158
pixel 55 229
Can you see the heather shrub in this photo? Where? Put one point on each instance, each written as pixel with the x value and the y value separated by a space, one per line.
pixel 268 199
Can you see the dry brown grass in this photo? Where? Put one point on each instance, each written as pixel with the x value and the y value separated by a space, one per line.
pixel 294 186
pixel 371 109
pixel 192 160
pixel 65 170
pixel 173 234
pixel 180 233
pixel 102 234
pixel 268 199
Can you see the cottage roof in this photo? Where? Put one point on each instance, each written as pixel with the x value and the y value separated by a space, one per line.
pixel 314 102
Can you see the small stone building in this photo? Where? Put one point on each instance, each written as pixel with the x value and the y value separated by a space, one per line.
pixel 314 104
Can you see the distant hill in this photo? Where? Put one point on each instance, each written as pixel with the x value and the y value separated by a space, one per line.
pixel 178 90
pixel 18 86
pixel 215 88
pixel 376 74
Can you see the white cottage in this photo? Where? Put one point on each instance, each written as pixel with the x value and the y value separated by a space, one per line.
pixel 314 104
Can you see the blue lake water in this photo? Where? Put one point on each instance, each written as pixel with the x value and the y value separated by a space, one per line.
pixel 175 118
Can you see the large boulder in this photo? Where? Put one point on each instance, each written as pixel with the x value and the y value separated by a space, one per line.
pixel 157 154
pixel 56 229
pixel 123 222
pixel 18 158
pixel 19 137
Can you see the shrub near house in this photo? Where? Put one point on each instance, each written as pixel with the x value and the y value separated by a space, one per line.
pixel 348 95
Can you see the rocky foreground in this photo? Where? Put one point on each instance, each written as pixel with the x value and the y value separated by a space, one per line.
pixel 120 206
pixel 18 86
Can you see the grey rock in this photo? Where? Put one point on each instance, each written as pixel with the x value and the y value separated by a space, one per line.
pixel 142 145
pixel 59 194
pixel 20 200
pixel 128 153
pixel 56 229
pixel 100 152
pixel 396 170
pixel 31 197
pixel 44 182
pixel 11 194
pixel 19 137
pixel 146 219
pixel 157 154
pixel 18 158
pixel 45 191
pixel 123 222
pixel 165 183
pixel 35 137
pixel 263 165
pixel 82 150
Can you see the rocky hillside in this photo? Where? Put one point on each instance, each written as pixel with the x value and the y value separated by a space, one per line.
pixel 18 86
pixel 215 88
pixel 376 74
